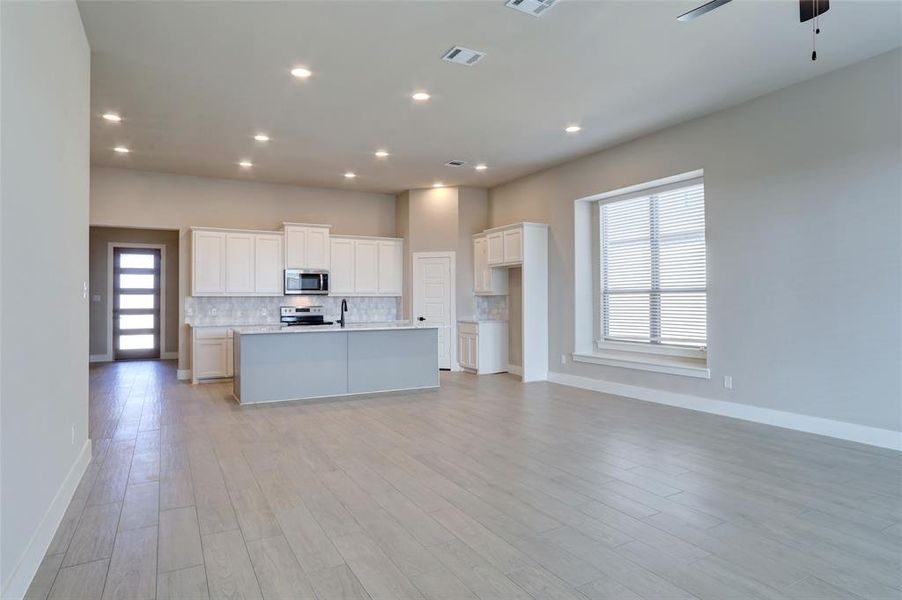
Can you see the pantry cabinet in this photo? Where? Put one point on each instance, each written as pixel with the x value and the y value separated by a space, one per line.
pixel 306 246
pixel 236 263
pixel 366 266
pixel 523 246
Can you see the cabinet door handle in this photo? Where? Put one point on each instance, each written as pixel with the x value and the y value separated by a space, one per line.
pixel 421 318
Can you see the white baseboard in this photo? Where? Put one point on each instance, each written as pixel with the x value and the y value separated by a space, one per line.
pixel 107 358
pixel 872 436
pixel 31 557
pixel 515 369
pixel 183 374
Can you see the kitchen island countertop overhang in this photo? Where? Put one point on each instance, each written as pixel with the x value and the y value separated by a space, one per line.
pixel 276 363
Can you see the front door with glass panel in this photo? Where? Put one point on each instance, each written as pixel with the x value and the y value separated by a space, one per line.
pixel 136 303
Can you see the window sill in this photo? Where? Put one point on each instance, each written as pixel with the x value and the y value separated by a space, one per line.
pixel 672 365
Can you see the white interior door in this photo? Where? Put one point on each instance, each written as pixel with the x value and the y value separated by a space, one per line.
pixel 433 298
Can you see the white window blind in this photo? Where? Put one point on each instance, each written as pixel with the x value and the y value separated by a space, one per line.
pixel 653 267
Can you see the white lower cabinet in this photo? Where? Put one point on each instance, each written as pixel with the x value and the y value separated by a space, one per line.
pixel 482 346
pixel 211 353
pixel 366 266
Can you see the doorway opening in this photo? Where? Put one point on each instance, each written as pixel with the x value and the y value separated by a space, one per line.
pixel 137 282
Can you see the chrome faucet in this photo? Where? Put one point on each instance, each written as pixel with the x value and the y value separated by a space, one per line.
pixel 344 309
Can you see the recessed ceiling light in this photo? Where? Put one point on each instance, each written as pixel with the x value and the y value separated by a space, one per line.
pixel 572 128
pixel 350 175
pixel 121 150
pixel 112 117
pixel 481 167
pixel 301 72
pixel 381 153
pixel 438 184
pixel 261 137
pixel 246 164
pixel 421 96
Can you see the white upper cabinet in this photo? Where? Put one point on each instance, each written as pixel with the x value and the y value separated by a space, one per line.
pixel 486 280
pixel 306 246
pixel 295 247
pixel 341 275
pixel 208 249
pixel 513 245
pixel 504 246
pixel 366 266
pixel 236 263
pixel 268 264
pixel 239 263
pixel 391 267
pixel 495 250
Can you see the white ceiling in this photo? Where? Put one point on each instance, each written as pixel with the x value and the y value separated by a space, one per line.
pixel 195 80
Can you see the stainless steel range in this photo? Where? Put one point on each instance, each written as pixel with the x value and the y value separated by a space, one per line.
pixel 291 316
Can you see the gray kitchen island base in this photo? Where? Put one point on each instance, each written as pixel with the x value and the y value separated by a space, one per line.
pixel 278 365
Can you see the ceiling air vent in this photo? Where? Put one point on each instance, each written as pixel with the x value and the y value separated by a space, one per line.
pixel 535 8
pixel 463 56
pixel 455 163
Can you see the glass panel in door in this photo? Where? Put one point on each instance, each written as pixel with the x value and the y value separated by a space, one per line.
pixel 136 303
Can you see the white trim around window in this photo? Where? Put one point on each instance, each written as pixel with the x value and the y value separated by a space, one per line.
pixel 589 347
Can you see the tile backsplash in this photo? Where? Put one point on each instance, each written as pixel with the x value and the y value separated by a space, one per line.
pixel 491 307
pixel 265 310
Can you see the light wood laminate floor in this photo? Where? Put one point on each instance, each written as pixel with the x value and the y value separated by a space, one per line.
pixel 486 488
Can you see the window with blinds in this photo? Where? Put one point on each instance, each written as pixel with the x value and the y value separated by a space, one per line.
pixel 653 267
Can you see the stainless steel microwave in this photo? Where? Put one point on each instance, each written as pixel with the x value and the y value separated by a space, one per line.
pixel 306 282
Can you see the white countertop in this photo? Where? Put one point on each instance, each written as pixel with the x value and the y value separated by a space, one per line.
pixel 386 326
pixel 482 320
pixel 229 325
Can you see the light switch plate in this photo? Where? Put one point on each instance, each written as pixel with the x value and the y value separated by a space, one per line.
pixel 728 382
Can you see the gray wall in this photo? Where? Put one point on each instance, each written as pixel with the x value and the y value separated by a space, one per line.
pixel 131 198
pixel 472 217
pixel 443 219
pixel 803 192
pixel 127 197
pixel 100 238
pixel 43 266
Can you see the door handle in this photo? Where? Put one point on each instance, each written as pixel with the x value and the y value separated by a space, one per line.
pixel 421 318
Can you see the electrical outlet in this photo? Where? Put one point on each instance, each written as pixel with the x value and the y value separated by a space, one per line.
pixel 728 382
pixel 84 290
pixel 563 359
pixel 212 312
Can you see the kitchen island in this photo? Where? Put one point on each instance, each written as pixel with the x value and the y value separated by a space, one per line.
pixel 278 363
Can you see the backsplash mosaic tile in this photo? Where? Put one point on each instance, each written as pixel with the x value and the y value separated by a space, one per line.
pixel 265 310
pixel 491 308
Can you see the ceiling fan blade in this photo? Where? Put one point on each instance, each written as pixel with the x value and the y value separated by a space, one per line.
pixel 808 9
pixel 701 10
